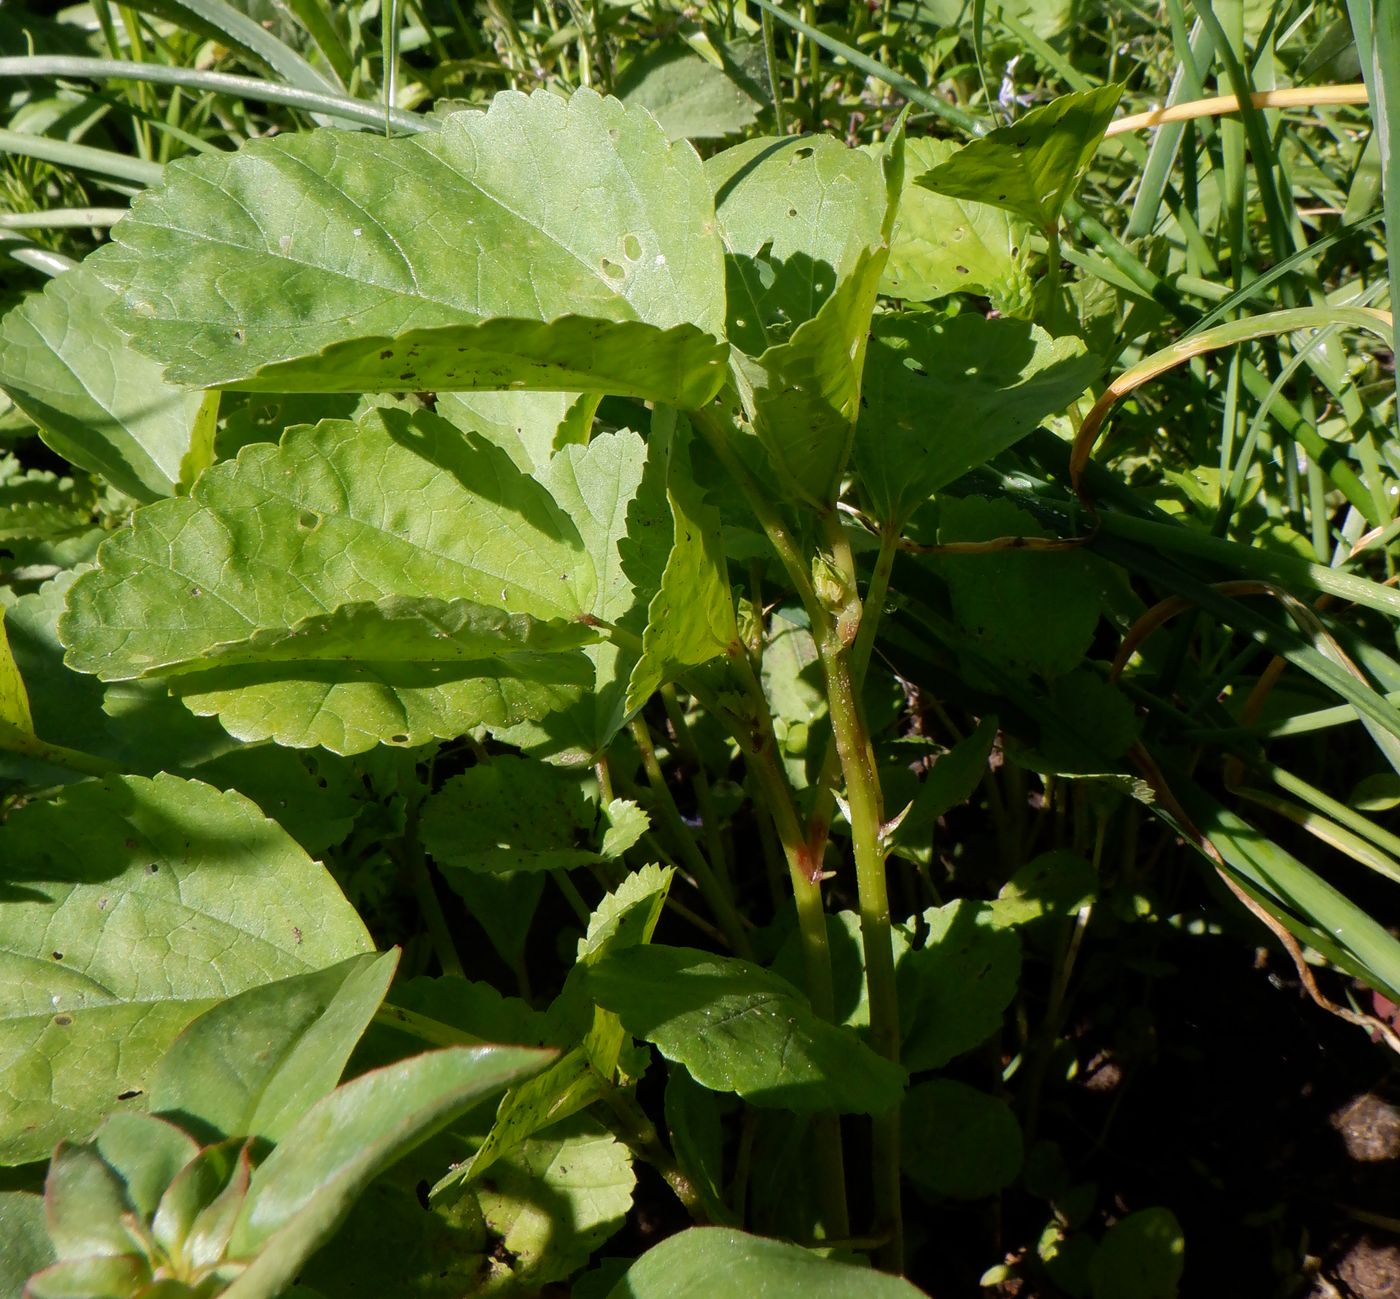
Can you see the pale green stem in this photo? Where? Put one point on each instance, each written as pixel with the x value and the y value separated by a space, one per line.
pixel 864 804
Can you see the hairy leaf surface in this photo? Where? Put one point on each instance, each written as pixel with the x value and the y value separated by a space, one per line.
pixel 491 230
pixel 391 515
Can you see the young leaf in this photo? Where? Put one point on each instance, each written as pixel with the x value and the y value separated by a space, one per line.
pixel 253 1065
pixel 85 1205
pixel 336 515
pixel 97 401
pixel 954 989
pixel 737 1027
pixel 482 230
pixel 943 396
pixel 708 1261
pixel 147 1153
pixel 309 1182
pixel 1032 167
pixel 691 619
pixel 27 1246
pixel 91 877
pixel 946 245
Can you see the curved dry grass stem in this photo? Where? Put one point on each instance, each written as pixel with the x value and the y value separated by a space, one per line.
pixel 1221 105
pixel 1235 332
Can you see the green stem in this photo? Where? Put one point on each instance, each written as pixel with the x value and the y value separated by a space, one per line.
pixel 770 58
pixel 56 755
pixel 716 894
pixel 864 803
pixel 630 1124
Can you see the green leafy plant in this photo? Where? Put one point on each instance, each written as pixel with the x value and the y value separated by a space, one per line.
pixel 518 529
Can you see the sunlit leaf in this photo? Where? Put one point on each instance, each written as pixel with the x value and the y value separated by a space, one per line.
pixel 130 906
pixel 97 401
pixel 1032 167
pixel 366 245
pixel 740 1028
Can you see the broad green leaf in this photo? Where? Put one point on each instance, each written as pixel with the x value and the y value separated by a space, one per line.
pixel 804 394
pixel 1053 884
pixel 39 506
pixel 1028 611
pixel 509 814
pixel 456 251
pixel 1032 167
pixel 740 1028
pixel 503 905
pixel 27 1248
pixel 689 96
pixel 556 1198
pixel 954 989
pixel 795 216
pixel 957 1141
pixel 523 424
pixel 943 396
pixel 129 907
pixel 691 619
pixel 706 1262
pixel 97 401
pixel 253 1065
pixel 343 514
pixel 307 1185
pixel 683 365
pixel 1141 1257
pixel 944 245
pixel 135 724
